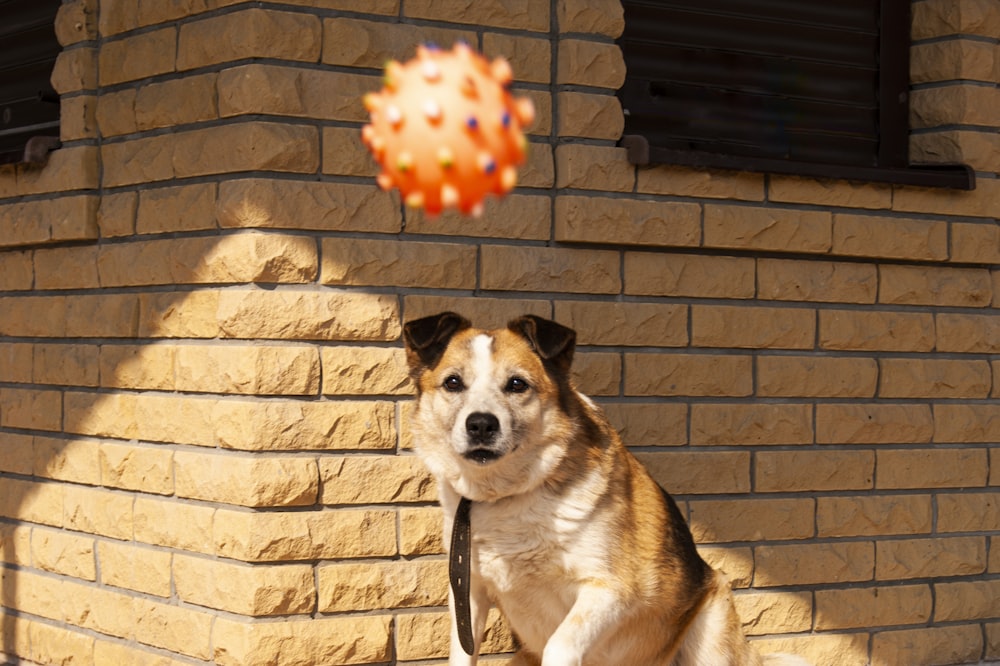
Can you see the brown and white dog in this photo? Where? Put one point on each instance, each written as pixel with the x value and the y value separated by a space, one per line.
pixel 589 560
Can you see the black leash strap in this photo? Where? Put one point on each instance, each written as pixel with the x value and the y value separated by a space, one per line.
pixel 459 567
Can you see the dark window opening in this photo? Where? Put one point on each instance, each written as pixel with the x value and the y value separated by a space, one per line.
pixel 29 107
pixel 785 86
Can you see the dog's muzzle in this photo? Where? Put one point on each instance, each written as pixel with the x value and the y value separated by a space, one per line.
pixel 482 430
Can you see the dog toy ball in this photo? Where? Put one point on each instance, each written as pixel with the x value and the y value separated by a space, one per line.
pixel 446 130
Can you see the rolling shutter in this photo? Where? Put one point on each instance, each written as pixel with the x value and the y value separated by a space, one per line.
pixel 29 107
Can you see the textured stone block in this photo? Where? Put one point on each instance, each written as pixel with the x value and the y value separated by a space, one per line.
pixel 64 219
pixel 15 271
pixel 138 57
pixel 529 57
pixel 587 63
pixel 755 328
pixel 374 586
pixel 137 467
pixel 818 281
pixel 974 512
pixel 966 423
pixel 686 473
pixel 966 600
pixel 182 630
pixel 66 268
pixel 387 479
pixel 932 468
pixel 873 516
pixel 659 274
pixel 779 229
pixel 873 424
pixel 593 168
pixel 774 612
pixel 625 324
pixel 890 237
pixel 96 511
pixel 357 43
pixel 688 374
pixel 981 202
pixel 527 217
pixel 876 331
pixel 604 17
pixel 523 268
pixel 587 219
pixel 930 557
pixel 75 22
pixel 588 115
pixel 257 370
pixel 516 14
pixel 74 70
pixel 245 589
pixel 816 377
pixel 859 608
pixel 63 553
pixel 135 567
pixel 653 424
pixel 934 378
pixel 246 480
pixel 952 105
pixel 251 33
pixel 292 91
pixel 934 646
pixel 702 183
pixel 805 564
pixel 420 531
pixel 58 645
pixel 923 285
pixel 597 374
pixel 823 192
pixel 384 263
pixel 975 243
pixel 174 524
pixel 425 635
pixel 177 102
pixel 365 371
pixel 938 18
pixel 813 471
pixel 31 409
pixel 750 424
pixel 74 460
pixel 720 521
pixel 336 640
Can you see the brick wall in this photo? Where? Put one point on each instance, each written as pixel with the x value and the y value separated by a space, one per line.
pixel 204 456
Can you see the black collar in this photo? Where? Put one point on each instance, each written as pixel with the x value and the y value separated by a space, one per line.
pixel 459 568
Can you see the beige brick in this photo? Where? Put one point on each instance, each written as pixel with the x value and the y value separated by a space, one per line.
pixel 539 168
pixel 365 371
pixel 356 43
pixel 603 17
pixel 182 630
pixel 66 218
pixel 589 63
pixel 937 18
pixel 396 263
pixel 116 653
pixel 304 535
pixel 790 471
pixel 328 640
pixel 876 331
pixel 873 515
pixel 57 645
pixel 973 512
pixel 823 281
pixel 374 586
pixel 966 423
pixel 933 646
pixel 588 219
pixel 873 424
pixel 930 557
pixel 934 378
pixel 174 524
pixel 859 608
pixel 16 271
pixel 251 33
pixel 101 316
pixel 177 102
pixel 245 589
pixel 115 113
pixel 135 567
pixel 720 424
pixel 653 424
pixel 78 118
pixel 975 243
pixel 166 314
pixel 96 511
pixel 116 214
pixel 31 409
pixel 66 268
pixel 286 204
pixel 517 15
pixel 395 479
pixel 912 285
pixel 33 316
pixel 420 531
pixel 292 91
pixel 702 183
pixel 721 521
pixel 951 60
pixel 891 237
pixel 849 194
pixel 625 324
pixel 74 70
pixel 688 374
pixel 685 473
pixel 483 311
pixel 659 274
pixel 779 229
pixel 257 370
pixel 593 168
pixel 992 631
pixel 816 377
pixel 516 216
pixel 977 148
pixel 971 600
pixel 521 268
pixel 425 635
pixel 981 202
pixel 589 115
pixel 74 460
pixel 774 612
pixel 138 57
pixel 17 362
pixel 320 314
pixel 75 22
pixel 758 327
pixel 735 562
pixel 16 454
pixel 597 374
pixel 931 468
pixel 128 366
pixel 243 257
pixel 805 564
pixel 344 154
pixel 246 480
pixel 529 57
pixel 952 105
pixel 63 553
pixel 183 208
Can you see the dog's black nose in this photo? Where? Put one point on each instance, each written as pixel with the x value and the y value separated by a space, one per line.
pixel 482 427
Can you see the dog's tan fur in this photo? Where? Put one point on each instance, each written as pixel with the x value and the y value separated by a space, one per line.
pixel 590 561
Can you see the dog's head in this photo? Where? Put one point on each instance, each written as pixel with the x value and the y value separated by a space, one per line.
pixel 492 414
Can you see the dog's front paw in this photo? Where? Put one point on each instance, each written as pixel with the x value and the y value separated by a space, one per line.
pixel 559 653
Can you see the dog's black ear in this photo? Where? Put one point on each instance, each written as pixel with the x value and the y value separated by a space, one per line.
pixel 427 338
pixel 553 342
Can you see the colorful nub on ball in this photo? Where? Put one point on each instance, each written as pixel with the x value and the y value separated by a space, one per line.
pixel 446 130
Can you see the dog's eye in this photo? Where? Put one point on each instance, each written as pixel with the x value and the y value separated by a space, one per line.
pixel 454 383
pixel 516 385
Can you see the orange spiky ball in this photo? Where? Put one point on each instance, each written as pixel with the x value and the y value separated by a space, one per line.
pixel 446 130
